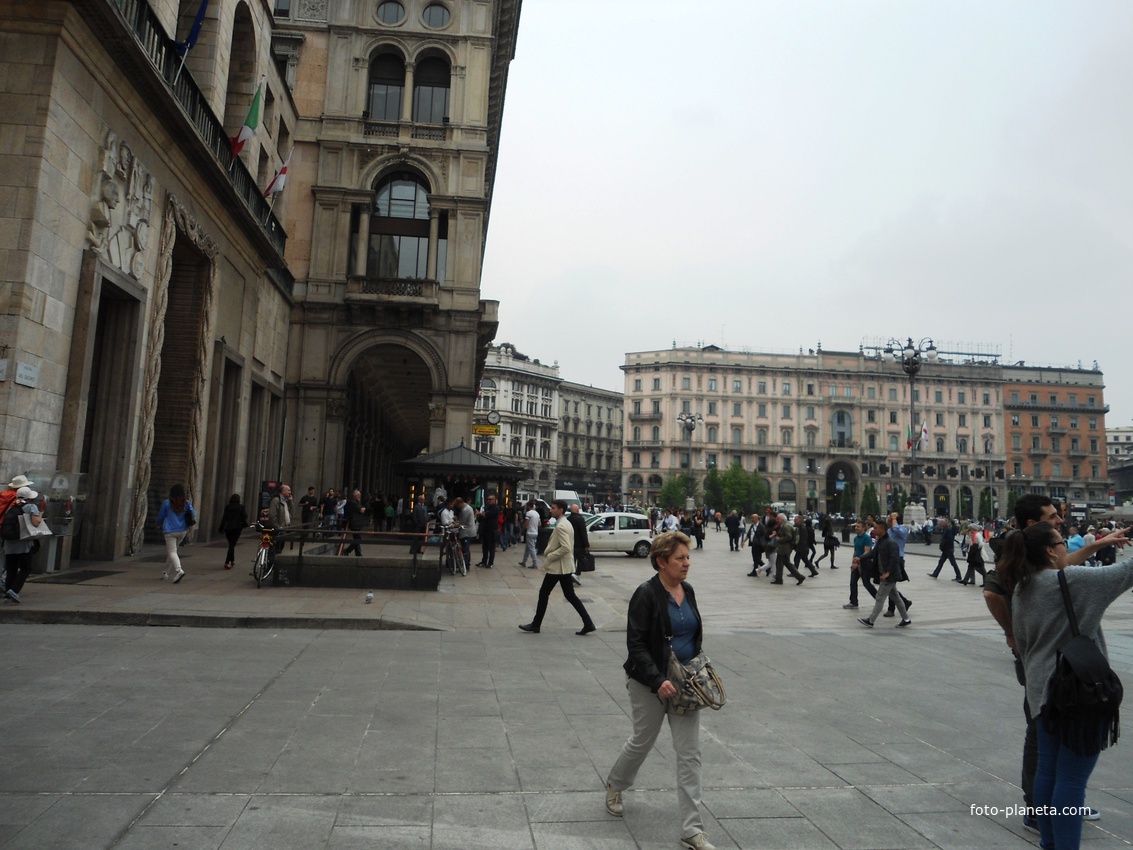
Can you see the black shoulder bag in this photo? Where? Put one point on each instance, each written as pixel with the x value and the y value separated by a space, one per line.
pixel 1084 697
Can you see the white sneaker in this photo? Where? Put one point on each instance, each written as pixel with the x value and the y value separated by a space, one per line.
pixel 698 842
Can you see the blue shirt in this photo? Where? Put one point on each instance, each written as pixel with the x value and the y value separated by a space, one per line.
pixel 1075 543
pixel 172 522
pixel 861 542
pixel 683 622
pixel 899 534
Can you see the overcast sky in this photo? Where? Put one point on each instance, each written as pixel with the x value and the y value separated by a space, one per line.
pixel 768 175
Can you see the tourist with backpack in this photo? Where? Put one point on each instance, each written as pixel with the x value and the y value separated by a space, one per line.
pixel 17 552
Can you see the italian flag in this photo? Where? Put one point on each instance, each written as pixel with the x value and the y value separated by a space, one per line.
pixel 276 184
pixel 251 123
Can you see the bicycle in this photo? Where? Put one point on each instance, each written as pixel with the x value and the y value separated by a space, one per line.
pixel 264 562
pixel 452 555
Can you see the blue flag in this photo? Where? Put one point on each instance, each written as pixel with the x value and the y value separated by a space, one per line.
pixel 183 47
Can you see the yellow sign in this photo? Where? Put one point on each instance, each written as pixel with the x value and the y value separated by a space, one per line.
pixel 485 430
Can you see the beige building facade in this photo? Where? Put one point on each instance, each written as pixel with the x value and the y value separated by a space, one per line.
pixel 144 288
pixel 401 106
pixel 816 425
pixel 591 424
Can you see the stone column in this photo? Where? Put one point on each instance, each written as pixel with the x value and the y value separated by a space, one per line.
pixel 434 236
pixel 362 243
pixel 407 102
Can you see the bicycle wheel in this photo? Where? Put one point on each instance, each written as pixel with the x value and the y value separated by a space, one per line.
pixel 261 567
pixel 450 561
pixel 461 560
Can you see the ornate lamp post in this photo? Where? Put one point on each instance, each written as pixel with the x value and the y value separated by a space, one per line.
pixel 689 421
pixel 911 356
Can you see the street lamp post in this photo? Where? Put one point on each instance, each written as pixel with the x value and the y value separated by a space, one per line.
pixel 911 356
pixel 689 421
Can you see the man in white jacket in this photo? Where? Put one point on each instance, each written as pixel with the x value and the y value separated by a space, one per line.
pixel 558 564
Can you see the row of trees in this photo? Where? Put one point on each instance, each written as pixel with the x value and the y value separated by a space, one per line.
pixel 736 489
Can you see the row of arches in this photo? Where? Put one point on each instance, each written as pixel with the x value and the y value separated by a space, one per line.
pixel 401 91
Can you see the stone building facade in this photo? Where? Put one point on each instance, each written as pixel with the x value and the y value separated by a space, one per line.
pixel 1056 436
pixel 524 394
pixel 401 106
pixel 591 424
pixel 814 425
pixel 144 289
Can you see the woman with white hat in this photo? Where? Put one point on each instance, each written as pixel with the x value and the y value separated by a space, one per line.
pixel 17 553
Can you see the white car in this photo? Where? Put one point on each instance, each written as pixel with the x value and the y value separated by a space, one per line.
pixel 620 532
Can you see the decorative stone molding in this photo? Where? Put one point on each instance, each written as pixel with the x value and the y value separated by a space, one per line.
pixel 337 408
pixel 285 46
pixel 311 10
pixel 119 228
pixel 436 411
pixel 176 218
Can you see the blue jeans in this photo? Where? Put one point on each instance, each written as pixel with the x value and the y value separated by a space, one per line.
pixel 1060 782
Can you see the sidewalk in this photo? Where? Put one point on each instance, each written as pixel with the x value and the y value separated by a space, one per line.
pixel 475 735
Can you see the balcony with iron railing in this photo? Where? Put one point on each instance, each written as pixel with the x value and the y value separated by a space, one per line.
pixel 1056 405
pixel 362 289
pixel 149 36
pixel 407 131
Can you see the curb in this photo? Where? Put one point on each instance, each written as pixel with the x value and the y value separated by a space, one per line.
pixel 8 615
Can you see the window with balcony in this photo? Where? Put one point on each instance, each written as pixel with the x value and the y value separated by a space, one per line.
pixel 1017 469
pixel 939 444
pixel 871 441
pixel 892 442
pixel 737 436
pixel 1036 442
pixel 387 87
pixel 637 407
pixel 636 433
pixel 655 433
pixel 1056 444
pixel 761 436
pixel 635 460
pixel 399 229
pixel 430 90
pixel 656 406
pixel 811 439
pixel 761 463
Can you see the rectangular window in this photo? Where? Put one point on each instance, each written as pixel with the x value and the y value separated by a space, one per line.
pixel 762 387
pixel 892 442
pixel 711 385
pixel 637 385
pixel 1034 422
pixel 737 460
pixel 1017 442
pixel 940 419
pixel 737 436
pixel 711 408
pixel 1014 397
pixel 761 463
pixel 871 392
pixel 686 407
pixel 761 410
pixel 637 407
pixel 656 407
pixel 785 437
pixel 1094 445
pixel 635 459
pixel 1036 442
pixel 787 467
pixel 737 409
pixel 962 420
pixel 938 396
pixel 810 389
pixel 1056 468
pixel 1017 469
pixel 1093 424
pixel 655 460
pixel 892 393
pixel 961 397
pixel 1074 422
pixel 871 416
pixel 916 395
pixel 987 420
pixel 737 385
pixel 656 383
pixel 871 441
pixel 810 412
pixel 786 388
pixel 786 411
pixel 686 383
pixel 833 391
pixel 1076 470
pixel 987 398
pixel 848 392
pixel 761 436
pixel 1056 443
pixel 892 417
pixel 1014 418
pixel 811 439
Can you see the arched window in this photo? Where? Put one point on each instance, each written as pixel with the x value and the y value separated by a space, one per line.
pixel 636 433
pixel 387 87
pixel 940 444
pixel 399 230
pixel 430 91
pixel 787 490
pixel 656 433
pixel 842 429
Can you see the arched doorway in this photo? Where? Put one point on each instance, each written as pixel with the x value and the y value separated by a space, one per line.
pixel 788 496
pixel 941 500
pixel 635 486
pixel 387 415
pixel 653 489
pixel 918 494
pixel 842 487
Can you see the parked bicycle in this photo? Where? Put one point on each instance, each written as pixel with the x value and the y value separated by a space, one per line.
pixel 452 556
pixel 264 563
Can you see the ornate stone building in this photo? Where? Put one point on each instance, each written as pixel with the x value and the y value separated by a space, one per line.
pixel 816 425
pixel 524 396
pixel 590 440
pixel 401 106
pixel 144 288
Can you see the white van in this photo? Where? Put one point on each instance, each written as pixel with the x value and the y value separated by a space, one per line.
pixel 568 496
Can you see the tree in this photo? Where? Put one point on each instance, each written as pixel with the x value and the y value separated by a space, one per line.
pixel 900 499
pixel 965 506
pixel 739 489
pixel 714 489
pixel 987 505
pixel 1012 497
pixel 844 504
pixel 761 491
pixel 674 490
pixel 870 505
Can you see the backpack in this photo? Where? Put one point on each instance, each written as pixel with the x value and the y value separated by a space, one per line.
pixel 10 526
pixel 1084 693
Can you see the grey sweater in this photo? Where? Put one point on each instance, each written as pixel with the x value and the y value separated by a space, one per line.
pixel 1041 624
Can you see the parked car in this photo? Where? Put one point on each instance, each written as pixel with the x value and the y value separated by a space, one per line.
pixel 620 532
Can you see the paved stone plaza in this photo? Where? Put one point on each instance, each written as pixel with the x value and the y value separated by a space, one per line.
pixel 462 732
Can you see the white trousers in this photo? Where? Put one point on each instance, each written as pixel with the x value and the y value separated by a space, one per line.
pixel 648 713
pixel 172 560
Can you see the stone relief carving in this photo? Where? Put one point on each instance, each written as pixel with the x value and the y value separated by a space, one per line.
pixel 119 228
pixel 312 10
pixel 337 408
pixel 436 411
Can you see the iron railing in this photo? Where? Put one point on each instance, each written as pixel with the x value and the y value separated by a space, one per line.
pixel 162 52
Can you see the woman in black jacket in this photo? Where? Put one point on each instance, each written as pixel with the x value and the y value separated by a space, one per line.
pixel 662 613
pixel 232 523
